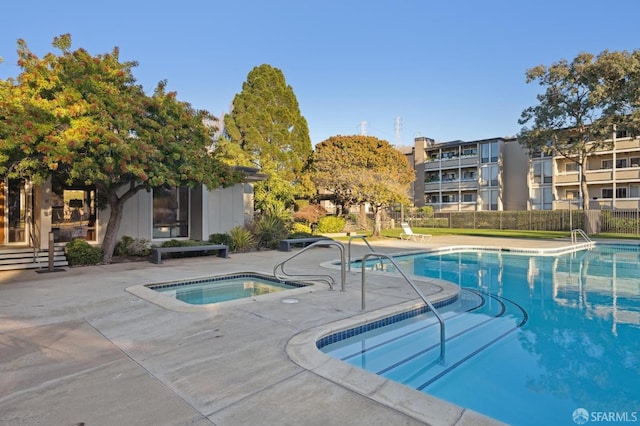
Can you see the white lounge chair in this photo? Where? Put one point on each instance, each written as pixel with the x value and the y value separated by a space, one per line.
pixel 408 234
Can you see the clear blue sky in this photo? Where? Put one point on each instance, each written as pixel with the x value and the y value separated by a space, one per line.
pixel 450 69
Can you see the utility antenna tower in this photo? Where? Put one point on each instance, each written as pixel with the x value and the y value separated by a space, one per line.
pixel 363 128
pixel 398 130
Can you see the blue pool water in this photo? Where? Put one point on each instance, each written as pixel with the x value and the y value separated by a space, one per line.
pixel 223 288
pixel 531 340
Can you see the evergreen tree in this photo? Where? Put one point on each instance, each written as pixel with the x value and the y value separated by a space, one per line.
pixel 266 123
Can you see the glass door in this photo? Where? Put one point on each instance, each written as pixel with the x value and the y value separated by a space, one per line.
pixel 16 207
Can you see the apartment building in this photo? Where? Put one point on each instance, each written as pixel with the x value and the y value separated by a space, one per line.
pixel 499 174
pixel 488 174
pixel 612 175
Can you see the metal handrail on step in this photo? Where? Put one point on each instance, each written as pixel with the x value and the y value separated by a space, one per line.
pixel 326 278
pixel 424 299
pixel 574 235
pixel 363 238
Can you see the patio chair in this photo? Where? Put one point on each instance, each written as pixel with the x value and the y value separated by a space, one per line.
pixel 408 234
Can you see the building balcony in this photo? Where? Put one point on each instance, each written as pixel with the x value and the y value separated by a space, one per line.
pixel 628 145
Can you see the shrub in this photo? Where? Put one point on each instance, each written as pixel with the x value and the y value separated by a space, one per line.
pixel 300 228
pixel 128 246
pixel 331 224
pixel 175 243
pixel 241 239
pixel 221 239
pixel 269 230
pixel 300 235
pixel 80 252
pixel 426 211
pixel 310 213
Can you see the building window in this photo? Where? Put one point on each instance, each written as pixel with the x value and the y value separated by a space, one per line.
pixel 570 167
pixel 634 191
pixel 607 164
pixel 546 172
pixel 635 161
pixel 621 192
pixel 73 211
pixel 489 199
pixel 622 134
pixel 537 172
pixel 449 177
pixel 470 151
pixel 489 152
pixel 489 176
pixel 468 198
pixel 16 210
pixel 433 199
pixel 432 177
pixel 170 212
pixel 547 199
pixel 621 163
pixel 572 194
pixel 469 174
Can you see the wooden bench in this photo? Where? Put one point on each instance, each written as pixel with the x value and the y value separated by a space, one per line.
pixel 285 245
pixel 156 252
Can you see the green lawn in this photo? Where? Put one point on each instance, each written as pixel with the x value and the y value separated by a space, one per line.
pixel 480 233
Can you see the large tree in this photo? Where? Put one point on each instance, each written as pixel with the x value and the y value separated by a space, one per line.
pixel 584 102
pixel 362 169
pixel 265 121
pixel 84 118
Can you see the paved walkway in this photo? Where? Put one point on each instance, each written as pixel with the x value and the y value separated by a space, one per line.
pixel 77 348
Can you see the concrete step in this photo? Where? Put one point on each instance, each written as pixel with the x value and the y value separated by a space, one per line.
pixel 25 258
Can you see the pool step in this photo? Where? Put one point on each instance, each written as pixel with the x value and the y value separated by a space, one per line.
pixel 425 368
pixel 409 351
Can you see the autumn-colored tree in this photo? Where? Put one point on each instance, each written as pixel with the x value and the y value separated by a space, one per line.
pixel 311 213
pixel 362 169
pixel 583 104
pixel 265 121
pixel 84 118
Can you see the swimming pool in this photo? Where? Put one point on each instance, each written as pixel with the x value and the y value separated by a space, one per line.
pixel 206 293
pixel 533 340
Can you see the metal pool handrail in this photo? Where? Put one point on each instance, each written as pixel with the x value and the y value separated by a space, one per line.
pixel 424 299
pixel 574 235
pixel 364 238
pixel 326 278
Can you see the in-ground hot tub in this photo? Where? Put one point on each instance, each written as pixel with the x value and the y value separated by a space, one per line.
pixel 207 292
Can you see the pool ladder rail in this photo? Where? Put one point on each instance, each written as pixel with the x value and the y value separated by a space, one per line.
pixel 578 231
pixel 280 273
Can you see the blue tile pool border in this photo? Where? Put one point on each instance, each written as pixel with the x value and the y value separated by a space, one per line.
pixel 354 331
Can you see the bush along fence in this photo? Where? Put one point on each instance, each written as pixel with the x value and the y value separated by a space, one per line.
pixel 591 221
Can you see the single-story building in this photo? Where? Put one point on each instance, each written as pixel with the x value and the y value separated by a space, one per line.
pixel 30 215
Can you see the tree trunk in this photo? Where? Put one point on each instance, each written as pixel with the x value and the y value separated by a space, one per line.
pixel 111 233
pixel 113 226
pixel 377 224
pixel 585 190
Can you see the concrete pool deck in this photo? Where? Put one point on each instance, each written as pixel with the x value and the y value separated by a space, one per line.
pixel 77 347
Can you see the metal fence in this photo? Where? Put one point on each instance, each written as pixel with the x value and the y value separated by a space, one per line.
pixel 592 221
